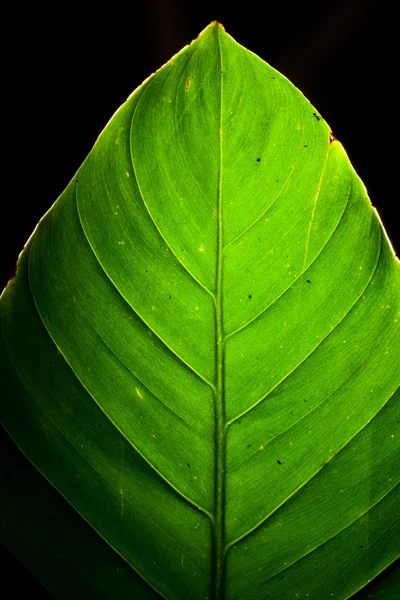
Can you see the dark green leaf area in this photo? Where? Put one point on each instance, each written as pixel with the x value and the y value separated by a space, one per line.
pixel 139 383
pixel 384 587
pixel 54 542
pixel 334 524
pixel 201 351
pixel 73 442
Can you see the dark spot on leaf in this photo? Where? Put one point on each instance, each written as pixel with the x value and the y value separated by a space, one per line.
pixel 279 462
pixel 170 297
pixel 316 116
pixel 361 546
pixel 188 465
pixel 250 296
pixel 308 280
pixel 305 146
pixel 258 159
pixel 249 445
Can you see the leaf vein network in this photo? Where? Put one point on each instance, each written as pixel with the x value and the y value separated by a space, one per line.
pixel 201 509
pixel 320 253
pixel 163 238
pixel 142 319
pixel 301 487
pixel 351 308
pixel 337 533
pixel 265 211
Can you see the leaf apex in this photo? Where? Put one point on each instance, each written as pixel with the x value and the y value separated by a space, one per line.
pixel 214 25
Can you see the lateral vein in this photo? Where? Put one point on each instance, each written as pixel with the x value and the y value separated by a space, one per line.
pixel 253 406
pixel 139 316
pixel 303 485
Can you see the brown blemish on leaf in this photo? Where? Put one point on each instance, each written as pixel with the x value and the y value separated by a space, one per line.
pixel 187 86
pixel 331 138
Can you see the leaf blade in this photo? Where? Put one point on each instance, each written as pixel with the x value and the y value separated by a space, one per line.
pixel 224 304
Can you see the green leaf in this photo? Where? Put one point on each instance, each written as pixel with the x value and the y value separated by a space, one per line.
pixel 200 353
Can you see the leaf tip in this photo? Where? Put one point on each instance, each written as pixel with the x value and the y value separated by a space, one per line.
pixel 216 24
pixel 213 26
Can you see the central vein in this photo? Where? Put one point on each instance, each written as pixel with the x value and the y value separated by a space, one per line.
pixel 220 431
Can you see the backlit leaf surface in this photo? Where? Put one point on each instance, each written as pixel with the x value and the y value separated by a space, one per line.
pixel 201 351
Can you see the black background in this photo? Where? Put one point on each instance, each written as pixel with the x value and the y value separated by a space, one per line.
pixel 68 69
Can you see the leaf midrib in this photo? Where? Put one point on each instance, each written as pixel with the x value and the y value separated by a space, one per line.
pixel 218 583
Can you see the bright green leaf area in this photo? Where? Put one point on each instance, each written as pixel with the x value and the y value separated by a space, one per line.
pixel 201 353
